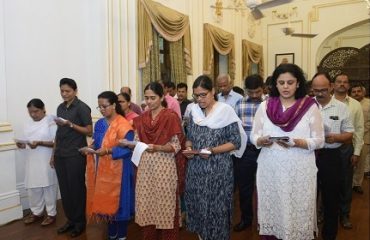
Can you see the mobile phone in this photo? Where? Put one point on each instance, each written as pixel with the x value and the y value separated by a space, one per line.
pixel 194 152
pixel 283 138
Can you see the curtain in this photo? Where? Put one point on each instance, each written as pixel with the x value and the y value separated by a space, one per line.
pixel 252 53
pixel 178 72
pixel 170 24
pixel 223 42
pixel 152 70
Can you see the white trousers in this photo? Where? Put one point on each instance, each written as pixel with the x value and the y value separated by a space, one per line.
pixel 361 167
pixel 43 197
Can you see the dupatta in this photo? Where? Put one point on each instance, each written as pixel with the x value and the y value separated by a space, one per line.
pixel 103 181
pixel 160 131
pixel 221 116
pixel 287 120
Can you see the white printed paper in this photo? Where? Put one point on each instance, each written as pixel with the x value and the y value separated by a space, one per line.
pixel 138 152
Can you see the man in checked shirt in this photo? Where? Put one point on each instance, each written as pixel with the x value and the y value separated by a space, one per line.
pixel 245 168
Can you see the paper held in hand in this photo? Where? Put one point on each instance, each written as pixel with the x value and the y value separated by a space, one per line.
pixel 195 152
pixel 60 119
pixel 140 147
pixel 87 149
pixel 22 141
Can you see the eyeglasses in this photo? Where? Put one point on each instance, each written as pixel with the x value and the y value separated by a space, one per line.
pixel 321 91
pixel 200 95
pixel 103 107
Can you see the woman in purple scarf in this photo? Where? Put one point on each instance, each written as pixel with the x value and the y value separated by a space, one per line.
pixel 288 127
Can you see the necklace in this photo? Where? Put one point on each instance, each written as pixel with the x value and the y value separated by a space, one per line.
pixel 155 117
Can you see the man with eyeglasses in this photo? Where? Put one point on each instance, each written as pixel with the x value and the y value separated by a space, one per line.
pixel 350 151
pixel 74 124
pixel 227 95
pixel 245 167
pixel 338 130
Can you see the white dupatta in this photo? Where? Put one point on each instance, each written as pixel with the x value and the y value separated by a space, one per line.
pixel 220 116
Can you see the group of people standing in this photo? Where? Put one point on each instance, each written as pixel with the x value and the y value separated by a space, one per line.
pixel 271 141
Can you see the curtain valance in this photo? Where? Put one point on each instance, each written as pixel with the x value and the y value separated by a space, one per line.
pixel 252 53
pixel 223 42
pixel 173 26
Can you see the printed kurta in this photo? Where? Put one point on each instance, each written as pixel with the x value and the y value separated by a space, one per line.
pixel 209 182
pixel 156 186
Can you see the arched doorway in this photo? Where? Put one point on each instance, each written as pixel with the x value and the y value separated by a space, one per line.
pixel 349 60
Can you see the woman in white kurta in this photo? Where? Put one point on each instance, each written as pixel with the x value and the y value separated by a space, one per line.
pixel 40 178
pixel 286 172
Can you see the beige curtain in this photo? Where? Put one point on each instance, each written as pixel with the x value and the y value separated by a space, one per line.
pixel 223 42
pixel 252 53
pixel 170 24
pixel 152 70
pixel 178 72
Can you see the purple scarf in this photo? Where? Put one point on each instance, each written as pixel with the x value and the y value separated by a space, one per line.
pixel 289 119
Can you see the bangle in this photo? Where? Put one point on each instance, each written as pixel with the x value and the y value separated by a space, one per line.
pixel 106 151
pixel 211 150
pixel 71 125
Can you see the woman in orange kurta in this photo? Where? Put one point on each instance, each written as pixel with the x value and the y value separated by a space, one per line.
pixel 160 172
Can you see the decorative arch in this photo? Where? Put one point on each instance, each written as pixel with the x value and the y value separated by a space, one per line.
pixel 352 61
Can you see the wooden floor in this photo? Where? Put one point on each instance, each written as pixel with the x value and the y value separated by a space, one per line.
pixel 18 231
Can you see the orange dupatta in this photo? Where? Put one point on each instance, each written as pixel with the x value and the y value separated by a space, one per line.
pixel 104 182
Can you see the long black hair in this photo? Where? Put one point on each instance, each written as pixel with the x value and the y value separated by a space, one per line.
pixel 112 98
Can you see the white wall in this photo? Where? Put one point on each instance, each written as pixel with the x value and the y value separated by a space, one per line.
pixel 323 17
pixel 43 41
pixel 354 36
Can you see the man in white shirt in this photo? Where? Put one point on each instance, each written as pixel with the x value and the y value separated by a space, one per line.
pixel 358 92
pixel 350 152
pixel 227 95
pixel 338 130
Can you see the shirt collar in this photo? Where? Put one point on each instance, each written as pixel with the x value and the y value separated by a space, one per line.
pixel 231 93
pixel 249 100
pixel 330 103
pixel 73 103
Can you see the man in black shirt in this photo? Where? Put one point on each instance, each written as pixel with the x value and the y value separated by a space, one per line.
pixel 74 124
pixel 182 93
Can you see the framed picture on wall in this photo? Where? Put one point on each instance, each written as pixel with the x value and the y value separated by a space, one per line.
pixel 282 58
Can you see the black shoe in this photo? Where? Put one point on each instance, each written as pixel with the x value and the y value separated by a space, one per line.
pixel 346 224
pixel 76 232
pixel 241 226
pixel 358 189
pixel 65 228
